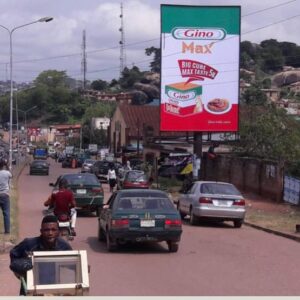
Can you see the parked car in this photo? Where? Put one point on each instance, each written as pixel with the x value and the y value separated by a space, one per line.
pixel 134 180
pixel 87 189
pixel 39 167
pixel 137 216
pixel 219 201
pixel 87 164
pixel 100 168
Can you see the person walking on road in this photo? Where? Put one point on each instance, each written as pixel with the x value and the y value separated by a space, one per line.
pixel 5 177
pixel 112 177
pixel 48 240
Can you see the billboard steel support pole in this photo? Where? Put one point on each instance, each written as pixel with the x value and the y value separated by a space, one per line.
pixel 198 150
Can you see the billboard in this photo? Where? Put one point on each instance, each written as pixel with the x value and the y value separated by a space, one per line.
pixel 200 50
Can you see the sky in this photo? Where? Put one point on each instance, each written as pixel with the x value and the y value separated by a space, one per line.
pixel 57 45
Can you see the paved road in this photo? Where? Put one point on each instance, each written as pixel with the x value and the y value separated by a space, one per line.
pixel 212 260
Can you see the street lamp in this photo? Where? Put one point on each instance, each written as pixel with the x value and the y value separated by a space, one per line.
pixel 10 31
pixel 25 118
pixel 25 121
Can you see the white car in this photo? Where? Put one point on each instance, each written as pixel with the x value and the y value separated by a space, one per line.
pixel 214 200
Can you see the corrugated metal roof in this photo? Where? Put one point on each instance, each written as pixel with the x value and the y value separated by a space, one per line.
pixel 144 114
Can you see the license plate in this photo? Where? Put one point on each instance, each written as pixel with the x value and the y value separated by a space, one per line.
pixel 147 223
pixel 63 224
pixel 222 203
pixel 81 191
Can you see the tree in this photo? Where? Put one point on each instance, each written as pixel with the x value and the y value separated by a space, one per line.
pixel 254 96
pixel 129 77
pixel 155 64
pixel 99 85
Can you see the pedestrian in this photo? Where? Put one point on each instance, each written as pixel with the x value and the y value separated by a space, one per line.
pixel 48 240
pixel 128 166
pixel 5 177
pixel 112 177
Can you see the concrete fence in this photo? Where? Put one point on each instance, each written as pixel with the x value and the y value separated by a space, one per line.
pixel 262 177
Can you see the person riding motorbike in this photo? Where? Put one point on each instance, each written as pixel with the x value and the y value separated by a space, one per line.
pixel 63 202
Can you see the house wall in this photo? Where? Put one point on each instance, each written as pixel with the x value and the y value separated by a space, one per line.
pixel 117 131
pixel 264 178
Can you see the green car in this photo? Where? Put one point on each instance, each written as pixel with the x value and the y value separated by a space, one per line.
pixel 87 190
pixel 139 215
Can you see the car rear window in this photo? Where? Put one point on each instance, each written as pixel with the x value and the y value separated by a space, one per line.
pixel 141 203
pixel 136 176
pixel 84 179
pixel 218 188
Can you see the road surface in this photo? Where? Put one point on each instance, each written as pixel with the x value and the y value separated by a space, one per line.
pixel 214 260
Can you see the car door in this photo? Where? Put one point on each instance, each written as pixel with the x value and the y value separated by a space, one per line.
pixel 188 198
pixel 106 212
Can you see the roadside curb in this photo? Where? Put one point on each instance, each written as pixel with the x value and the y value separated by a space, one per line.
pixel 279 233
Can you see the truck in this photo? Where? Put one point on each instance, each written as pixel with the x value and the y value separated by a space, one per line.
pixel 40 153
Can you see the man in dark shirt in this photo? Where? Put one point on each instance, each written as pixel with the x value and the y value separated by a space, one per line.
pixel 20 262
pixel 63 202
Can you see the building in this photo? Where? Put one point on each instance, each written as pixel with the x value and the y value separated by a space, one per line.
pixel 106 97
pixel 100 123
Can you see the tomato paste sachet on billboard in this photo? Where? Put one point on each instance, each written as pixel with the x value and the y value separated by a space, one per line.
pixel 183 98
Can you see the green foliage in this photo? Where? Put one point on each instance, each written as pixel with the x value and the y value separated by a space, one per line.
pixel 99 110
pixel 129 77
pixel 268 132
pixel 155 64
pixel 254 96
pixel 99 85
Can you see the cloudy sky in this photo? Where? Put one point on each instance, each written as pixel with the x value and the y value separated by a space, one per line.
pixel 58 44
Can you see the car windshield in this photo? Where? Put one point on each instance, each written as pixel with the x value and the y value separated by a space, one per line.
pixel 142 203
pixel 82 179
pixel 136 176
pixel 218 188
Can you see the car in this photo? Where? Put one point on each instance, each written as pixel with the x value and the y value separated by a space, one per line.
pixel 219 201
pixel 87 190
pixel 134 179
pixel 100 168
pixel 143 215
pixel 87 164
pixel 39 167
pixel 51 152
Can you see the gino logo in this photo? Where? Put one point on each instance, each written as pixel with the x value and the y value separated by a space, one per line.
pixel 198 33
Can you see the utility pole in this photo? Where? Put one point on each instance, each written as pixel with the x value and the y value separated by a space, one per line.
pixel 83 62
pixel 122 43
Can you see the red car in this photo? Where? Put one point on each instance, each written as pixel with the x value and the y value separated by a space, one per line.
pixel 135 180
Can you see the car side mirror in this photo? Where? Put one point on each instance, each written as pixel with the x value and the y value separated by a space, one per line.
pixel 51 184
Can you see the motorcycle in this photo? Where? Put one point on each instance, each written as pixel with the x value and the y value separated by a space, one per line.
pixel 64 225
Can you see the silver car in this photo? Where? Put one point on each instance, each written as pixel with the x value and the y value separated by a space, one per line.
pixel 86 166
pixel 215 200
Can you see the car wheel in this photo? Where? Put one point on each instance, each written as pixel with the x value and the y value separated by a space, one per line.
pixel 101 235
pixel 193 218
pixel 238 223
pixel 172 246
pixel 110 246
pixel 182 215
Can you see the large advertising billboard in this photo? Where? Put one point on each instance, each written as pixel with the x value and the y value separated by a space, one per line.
pixel 200 50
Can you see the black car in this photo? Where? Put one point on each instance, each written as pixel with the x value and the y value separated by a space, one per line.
pixel 135 215
pixel 39 167
pixel 100 168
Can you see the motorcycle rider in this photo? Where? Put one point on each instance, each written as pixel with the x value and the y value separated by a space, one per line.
pixel 63 202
